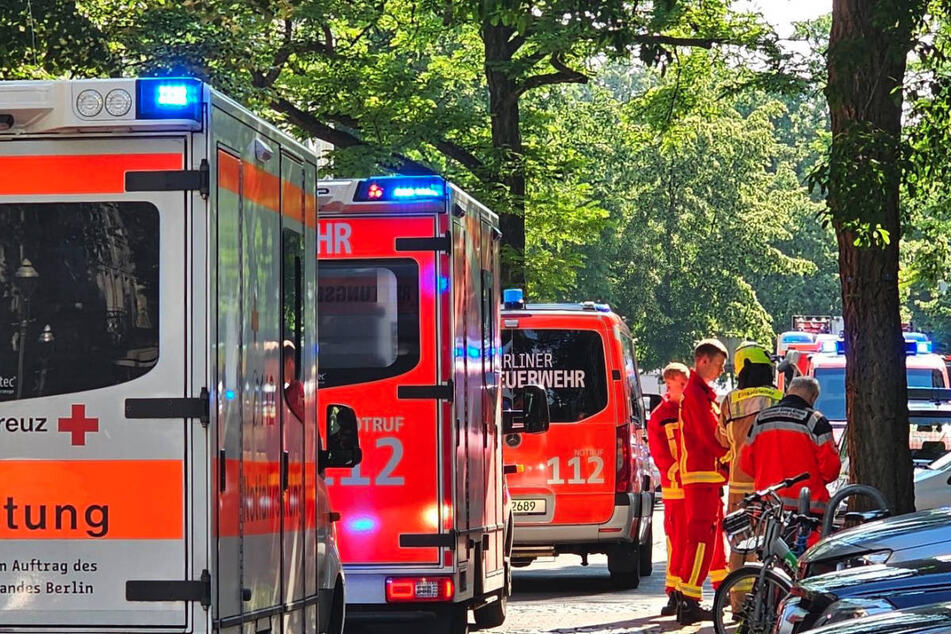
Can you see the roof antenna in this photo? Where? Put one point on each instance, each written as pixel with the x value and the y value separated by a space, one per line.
pixel 29 8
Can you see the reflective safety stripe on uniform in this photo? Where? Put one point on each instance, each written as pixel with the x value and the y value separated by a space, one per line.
pixel 674 527
pixel 700 511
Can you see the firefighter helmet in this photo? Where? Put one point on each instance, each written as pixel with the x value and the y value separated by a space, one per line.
pixel 752 352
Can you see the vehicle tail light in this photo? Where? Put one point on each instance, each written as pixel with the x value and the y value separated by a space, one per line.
pixel 408 589
pixel 625 476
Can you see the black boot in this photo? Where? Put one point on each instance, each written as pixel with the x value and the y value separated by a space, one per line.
pixel 673 600
pixel 690 612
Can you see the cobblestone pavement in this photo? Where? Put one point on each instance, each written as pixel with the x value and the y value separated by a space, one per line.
pixel 560 596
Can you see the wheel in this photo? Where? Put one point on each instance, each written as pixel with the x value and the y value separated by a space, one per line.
pixel 624 565
pixel 335 625
pixel 646 554
pixel 756 593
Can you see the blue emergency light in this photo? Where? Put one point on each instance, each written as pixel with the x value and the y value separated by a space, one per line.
pixel 513 298
pixel 400 189
pixel 912 347
pixel 168 98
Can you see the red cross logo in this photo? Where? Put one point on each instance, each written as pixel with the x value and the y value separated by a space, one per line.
pixel 78 425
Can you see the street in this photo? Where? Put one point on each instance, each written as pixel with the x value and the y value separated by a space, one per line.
pixel 560 596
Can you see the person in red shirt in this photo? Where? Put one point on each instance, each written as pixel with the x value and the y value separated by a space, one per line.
pixel 791 438
pixel 663 438
pixel 702 477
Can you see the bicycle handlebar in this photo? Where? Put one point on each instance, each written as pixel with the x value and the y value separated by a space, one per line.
pixel 788 482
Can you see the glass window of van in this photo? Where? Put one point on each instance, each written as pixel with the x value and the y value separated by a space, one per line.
pixel 368 320
pixel 569 364
pixel 79 296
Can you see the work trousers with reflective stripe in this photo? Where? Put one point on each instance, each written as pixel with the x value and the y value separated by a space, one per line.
pixel 674 526
pixel 700 509
pixel 718 566
pixel 737 559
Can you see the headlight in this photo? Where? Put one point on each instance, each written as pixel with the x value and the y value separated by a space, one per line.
pixel 791 614
pixel 846 609
pixel 865 559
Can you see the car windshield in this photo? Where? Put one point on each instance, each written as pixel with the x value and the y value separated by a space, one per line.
pixel 929 438
pixel 832 387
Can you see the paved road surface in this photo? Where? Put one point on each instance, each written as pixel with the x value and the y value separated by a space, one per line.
pixel 560 596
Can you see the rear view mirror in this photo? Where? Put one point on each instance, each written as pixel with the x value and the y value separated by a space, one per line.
pixel 343 440
pixel 651 401
pixel 528 414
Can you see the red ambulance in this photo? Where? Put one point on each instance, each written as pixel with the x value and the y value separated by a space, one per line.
pixel 585 486
pixel 409 329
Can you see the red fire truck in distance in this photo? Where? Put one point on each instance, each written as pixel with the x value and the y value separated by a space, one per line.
pixel 409 328
pixel 586 485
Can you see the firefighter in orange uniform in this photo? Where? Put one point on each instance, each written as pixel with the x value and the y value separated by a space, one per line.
pixel 663 437
pixel 755 392
pixel 791 438
pixel 700 454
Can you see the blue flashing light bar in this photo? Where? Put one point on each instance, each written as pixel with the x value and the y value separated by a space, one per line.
pixel 168 98
pixel 912 347
pixel 513 296
pixel 400 189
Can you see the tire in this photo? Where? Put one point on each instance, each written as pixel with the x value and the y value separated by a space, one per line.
pixel 335 624
pixel 646 554
pixel 755 618
pixel 624 565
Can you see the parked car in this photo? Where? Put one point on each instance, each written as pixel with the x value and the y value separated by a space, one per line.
pixel 894 540
pixel 929 619
pixel 868 590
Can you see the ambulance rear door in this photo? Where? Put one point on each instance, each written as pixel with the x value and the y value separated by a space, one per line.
pixel 569 472
pixel 96 421
pixel 378 336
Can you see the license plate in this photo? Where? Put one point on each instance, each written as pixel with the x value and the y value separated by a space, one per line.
pixel 529 507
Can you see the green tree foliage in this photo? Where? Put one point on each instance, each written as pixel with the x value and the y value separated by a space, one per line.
pixel 706 206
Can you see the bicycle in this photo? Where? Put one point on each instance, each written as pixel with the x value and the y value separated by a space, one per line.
pixel 765 527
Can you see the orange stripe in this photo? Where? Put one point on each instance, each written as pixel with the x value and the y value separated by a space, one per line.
pixel 265 189
pixel 110 499
pixel 77 174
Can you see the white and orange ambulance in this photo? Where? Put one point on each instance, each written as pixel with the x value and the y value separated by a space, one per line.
pixel 409 329
pixel 160 458
pixel 586 486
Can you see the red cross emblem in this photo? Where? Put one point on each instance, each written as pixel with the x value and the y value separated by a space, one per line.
pixel 78 425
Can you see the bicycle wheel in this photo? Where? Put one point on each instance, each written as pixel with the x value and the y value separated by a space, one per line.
pixel 745 604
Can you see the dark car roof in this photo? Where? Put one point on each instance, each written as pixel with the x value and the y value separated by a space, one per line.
pixel 883 580
pixel 928 619
pixel 931 526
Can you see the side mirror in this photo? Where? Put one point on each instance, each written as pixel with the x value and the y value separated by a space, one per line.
pixel 651 401
pixel 343 440
pixel 532 417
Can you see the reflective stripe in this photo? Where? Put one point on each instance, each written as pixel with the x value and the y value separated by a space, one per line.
pixel 741 487
pixel 761 427
pixel 716 576
pixel 703 477
pixel 672 493
pixel 691 592
pixel 77 174
pixel 694 580
pixel 746 585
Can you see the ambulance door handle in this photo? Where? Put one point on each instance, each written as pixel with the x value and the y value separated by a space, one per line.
pixel 222 470
pixel 285 459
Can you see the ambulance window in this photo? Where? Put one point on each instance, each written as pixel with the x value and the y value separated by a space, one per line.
pixel 292 248
pixel 368 320
pixel 831 401
pixel 925 377
pixel 568 363
pixel 79 296
pixel 633 379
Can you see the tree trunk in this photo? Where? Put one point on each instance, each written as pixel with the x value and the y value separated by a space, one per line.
pixel 507 142
pixel 866 70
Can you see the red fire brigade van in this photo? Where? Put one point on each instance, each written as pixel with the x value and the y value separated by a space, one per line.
pixel 409 329
pixel 586 486
pixel 160 458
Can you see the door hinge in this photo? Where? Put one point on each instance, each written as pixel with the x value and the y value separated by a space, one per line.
pixel 170 407
pixel 437 243
pixel 199 591
pixel 441 392
pixel 170 180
